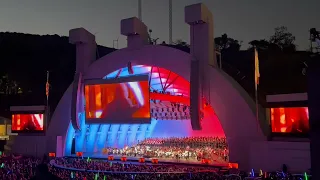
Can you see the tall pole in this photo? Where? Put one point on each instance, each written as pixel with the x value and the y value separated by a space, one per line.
pixel 47 94
pixel 257 104
pixel 170 21
pixel 311 48
pixel 140 10
pixel 47 88
pixel 256 80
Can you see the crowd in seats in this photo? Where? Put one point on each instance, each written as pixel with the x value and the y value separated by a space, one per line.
pixel 80 175
pixel 164 110
pixel 101 165
pixel 214 142
pixel 25 168
pixel 193 142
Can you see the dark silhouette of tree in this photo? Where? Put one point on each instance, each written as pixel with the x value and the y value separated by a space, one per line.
pixel 226 43
pixel 283 39
pixel 9 86
pixel 261 44
pixel 25 59
pixel 180 42
pixel 222 43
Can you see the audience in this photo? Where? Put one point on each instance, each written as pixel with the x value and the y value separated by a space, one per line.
pixel 42 172
pixel 25 168
pixel 103 165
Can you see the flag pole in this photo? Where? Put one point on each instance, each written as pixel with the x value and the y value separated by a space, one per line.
pixel 47 95
pixel 257 103
pixel 256 78
pixel 47 88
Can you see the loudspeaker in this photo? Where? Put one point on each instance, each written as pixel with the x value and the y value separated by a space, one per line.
pixel 130 69
pixel 195 95
pixel 73 146
pixel 75 100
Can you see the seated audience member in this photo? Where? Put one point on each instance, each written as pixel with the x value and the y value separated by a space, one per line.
pixel 42 173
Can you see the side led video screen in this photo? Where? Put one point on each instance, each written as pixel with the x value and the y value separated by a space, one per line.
pixel 27 123
pixel 124 102
pixel 290 120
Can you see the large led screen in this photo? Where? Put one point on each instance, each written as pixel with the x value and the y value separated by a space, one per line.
pixel 290 120
pixel 27 123
pixel 125 102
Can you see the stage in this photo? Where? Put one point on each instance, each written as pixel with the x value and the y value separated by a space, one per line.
pixel 131 159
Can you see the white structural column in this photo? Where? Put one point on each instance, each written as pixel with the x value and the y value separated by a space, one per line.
pixel 136 32
pixel 200 20
pixel 85 48
pixel 85 55
pixel 202 50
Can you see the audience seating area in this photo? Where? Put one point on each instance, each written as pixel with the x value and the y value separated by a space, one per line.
pixel 24 168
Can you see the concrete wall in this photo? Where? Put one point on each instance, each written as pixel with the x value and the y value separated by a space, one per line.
pixel 30 145
pixel 270 156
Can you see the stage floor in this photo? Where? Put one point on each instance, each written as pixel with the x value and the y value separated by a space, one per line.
pixel 131 159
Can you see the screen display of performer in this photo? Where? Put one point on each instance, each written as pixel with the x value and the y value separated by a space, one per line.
pixel 290 120
pixel 27 122
pixel 126 102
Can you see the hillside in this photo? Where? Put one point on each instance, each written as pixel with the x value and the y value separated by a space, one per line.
pixel 25 59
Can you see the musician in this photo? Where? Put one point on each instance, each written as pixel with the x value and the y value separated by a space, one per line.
pixel 225 154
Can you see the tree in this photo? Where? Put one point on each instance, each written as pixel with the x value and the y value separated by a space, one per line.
pixel 180 42
pixel 226 43
pixel 8 86
pixel 283 39
pixel 261 44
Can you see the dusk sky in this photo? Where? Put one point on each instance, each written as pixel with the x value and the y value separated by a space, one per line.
pixel 243 20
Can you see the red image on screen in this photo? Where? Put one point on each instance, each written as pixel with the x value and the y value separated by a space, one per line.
pixel 119 101
pixel 27 122
pixel 290 120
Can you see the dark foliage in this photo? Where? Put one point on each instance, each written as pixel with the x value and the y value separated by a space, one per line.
pixel 26 58
pixel 225 43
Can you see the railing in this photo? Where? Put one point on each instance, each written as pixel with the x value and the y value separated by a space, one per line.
pixel 52 162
